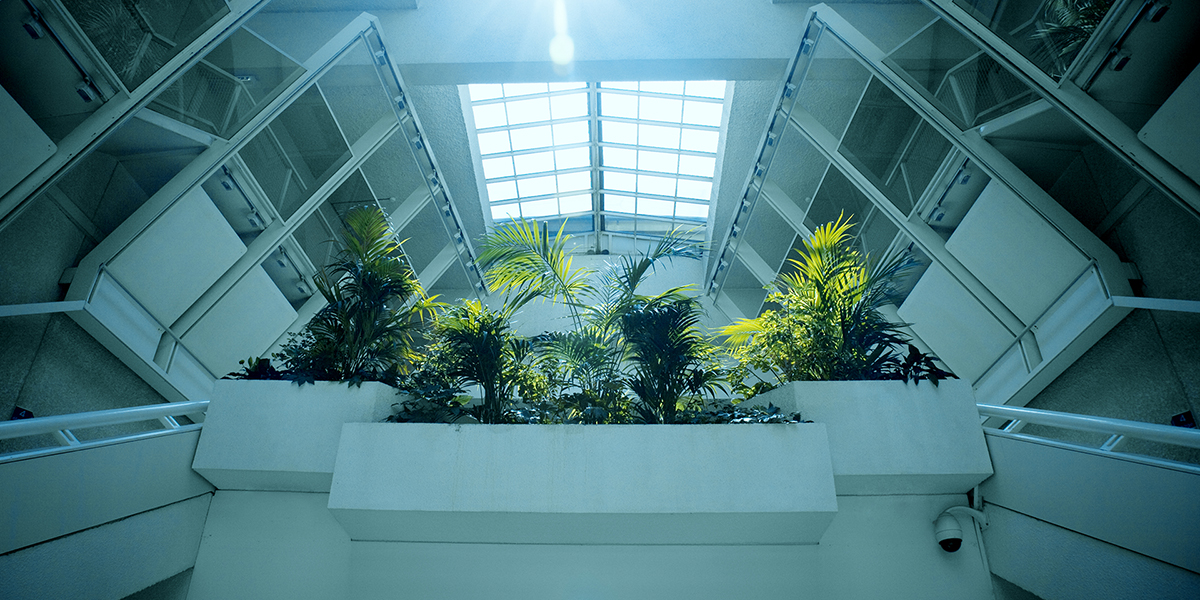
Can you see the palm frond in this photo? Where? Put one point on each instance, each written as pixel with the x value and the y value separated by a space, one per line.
pixel 521 259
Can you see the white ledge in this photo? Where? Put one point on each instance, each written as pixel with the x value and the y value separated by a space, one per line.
pixel 576 484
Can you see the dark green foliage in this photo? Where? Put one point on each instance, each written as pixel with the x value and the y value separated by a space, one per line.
pixel 670 358
pixel 737 413
pixel 257 368
pixel 477 345
pixel 917 366
pixel 375 304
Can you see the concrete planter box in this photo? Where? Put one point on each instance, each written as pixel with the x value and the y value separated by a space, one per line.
pixel 891 437
pixel 276 435
pixel 575 484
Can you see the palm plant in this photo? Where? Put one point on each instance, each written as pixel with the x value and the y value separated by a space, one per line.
pixel 671 359
pixel 828 326
pixel 522 261
pixel 374 305
pixel 479 347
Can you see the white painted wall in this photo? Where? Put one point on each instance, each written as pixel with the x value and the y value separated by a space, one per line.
pixel 581 484
pixel 267 545
pixel 276 435
pixel 891 437
pixel 464 41
pixel 49 497
pixel 110 561
pixel 271 545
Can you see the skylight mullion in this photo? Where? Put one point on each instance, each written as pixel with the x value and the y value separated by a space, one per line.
pixel 654 148
pixel 643 172
pixel 571 92
pixel 652 196
pixel 604 118
pixel 574 146
pixel 532 124
pixel 621 92
pixel 543 174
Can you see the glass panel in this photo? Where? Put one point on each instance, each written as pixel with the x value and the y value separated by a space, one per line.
pixel 506 211
pixel 393 174
pixel 837 198
pixel 893 146
pixel 833 85
pixel 300 149
pixel 571 204
pixel 1049 38
pixel 353 193
pixel 659 109
pixel 796 171
pixel 220 93
pixel 626 182
pixel 138 37
pixel 533 163
pixel 572 158
pixel 354 93
pixel 968 85
pixel 687 210
pixel 705 89
pixel 485 91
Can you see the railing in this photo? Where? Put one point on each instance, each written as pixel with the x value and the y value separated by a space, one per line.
pixel 62 426
pixel 1117 430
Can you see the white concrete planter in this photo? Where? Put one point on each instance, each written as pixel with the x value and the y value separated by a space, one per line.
pixel 276 435
pixel 891 437
pixel 577 484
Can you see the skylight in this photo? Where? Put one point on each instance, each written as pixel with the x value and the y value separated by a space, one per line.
pixel 629 157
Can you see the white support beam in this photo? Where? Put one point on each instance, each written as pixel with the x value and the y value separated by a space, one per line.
pixel 1167 304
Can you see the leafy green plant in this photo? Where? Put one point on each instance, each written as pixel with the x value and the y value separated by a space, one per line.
pixel 583 372
pixel 671 359
pixel 479 347
pixel 374 306
pixel 737 413
pixel 828 325
pixel 256 368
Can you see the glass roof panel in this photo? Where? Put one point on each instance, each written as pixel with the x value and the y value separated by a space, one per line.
pixel 573 158
pixel 539 208
pixel 621 204
pixel 551 149
pixel 534 163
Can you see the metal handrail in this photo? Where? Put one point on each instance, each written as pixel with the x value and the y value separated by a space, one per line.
pixel 116 416
pixel 1165 434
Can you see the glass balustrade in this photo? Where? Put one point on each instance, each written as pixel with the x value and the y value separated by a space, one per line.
pixel 236 79
pixel 138 37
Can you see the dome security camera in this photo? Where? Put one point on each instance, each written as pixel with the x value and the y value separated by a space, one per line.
pixel 948 531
